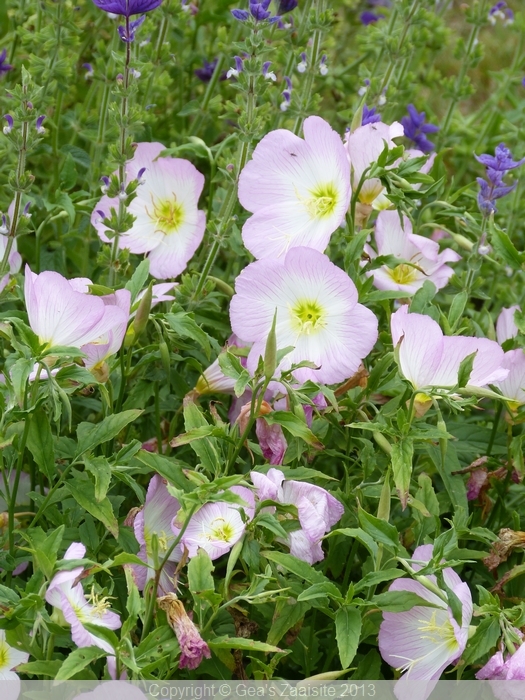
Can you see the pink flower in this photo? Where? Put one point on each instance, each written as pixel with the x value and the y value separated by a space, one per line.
pixel 396 239
pixel 168 224
pixel 506 327
pixel 513 386
pixel 111 341
pixel 500 668
pixel 317 313
pixel 193 648
pixel 65 592
pixel 271 441
pixel 160 508
pixel 318 511
pixel 423 641
pixel 428 359
pixel 62 313
pixel 298 190
pixel 217 526
pixel 10 658
pixel 364 146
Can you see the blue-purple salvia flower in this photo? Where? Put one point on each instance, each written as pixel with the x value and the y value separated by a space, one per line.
pixel 89 70
pixel 127 34
pixel 286 6
pixel 303 63
pixel 258 10
pixel 416 129
pixel 4 67
pixel 267 73
pixel 8 128
pixel 38 126
pixel 494 187
pixel 367 17
pixel 205 73
pixel 501 11
pixel 234 72
pixel 370 116
pixel 126 8
pixel 287 94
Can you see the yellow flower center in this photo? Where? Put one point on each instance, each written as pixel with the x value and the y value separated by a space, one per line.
pixel 221 529
pixel 322 201
pixel 100 604
pixel 167 214
pixel 4 656
pixel 308 317
pixel 439 634
pixel 403 274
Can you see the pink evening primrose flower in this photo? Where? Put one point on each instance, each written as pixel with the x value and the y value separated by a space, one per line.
pixel 160 508
pixel 65 592
pixel 423 641
pixel 317 509
pixel 169 227
pixel 428 359
pixel 426 262
pixel 506 327
pixel 217 526
pixel 111 341
pixel 61 313
pixel 10 658
pixel 508 668
pixel 513 386
pixel 317 313
pixel 364 146
pixel 298 190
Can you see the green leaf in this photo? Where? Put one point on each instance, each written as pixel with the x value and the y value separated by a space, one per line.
pixel 200 571
pixel 169 468
pixel 402 455
pixel 63 201
pixel 138 280
pixel 91 435
pixel 505 248
pixel 375 577
pixel 320 590
pixel 41 668
pixel 101 470
pixel 270 352
pixel 83 491
pixel 40 443
pixel 226 642
pixel 185 326
pixel 465 369
pixel 457 308
pixel 358 534
pixel 44 547
pixel 379 530
pixel 423 297
pixel 206 449
pixel 78 659
pixel 295 566
pixel 347 633
pixel 400 601
pixel 294 425
pixel 287 614
pixel 483 640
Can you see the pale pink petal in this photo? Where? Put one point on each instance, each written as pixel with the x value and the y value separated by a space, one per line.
pixel 304 549
pixel 175 250
pixel 506 327
pixel 271 441
pixel 513 386
pixel 420 342
pixel 268 485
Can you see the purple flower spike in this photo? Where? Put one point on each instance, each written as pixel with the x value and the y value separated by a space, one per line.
pixel 4 67
pixel 416 129
pixel 494 187
pixel 259 10
pixel 205 73
pixel 39 128
pixel 129 36
pixel 241 15
pixel 9 126
pixel 287 6
pixel 126 8
pixel 370 116
pixel 368 17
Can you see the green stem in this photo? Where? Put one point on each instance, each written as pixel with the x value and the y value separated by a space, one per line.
pixel 312 69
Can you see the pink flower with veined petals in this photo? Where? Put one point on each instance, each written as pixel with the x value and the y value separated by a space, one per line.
pixel 160 508
pixel 423 641
pixel 317 314
pixel 217 526
pixel 395 238
pixel 110 342
pixel 318 511
pixel 506 327
pixel 271 440
pixel 168 226
pixel 65 592
pixel 193 648
pixel 506 667
pixel 61 313
pixel 428 359
pixel 513 386
pixel 298 190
